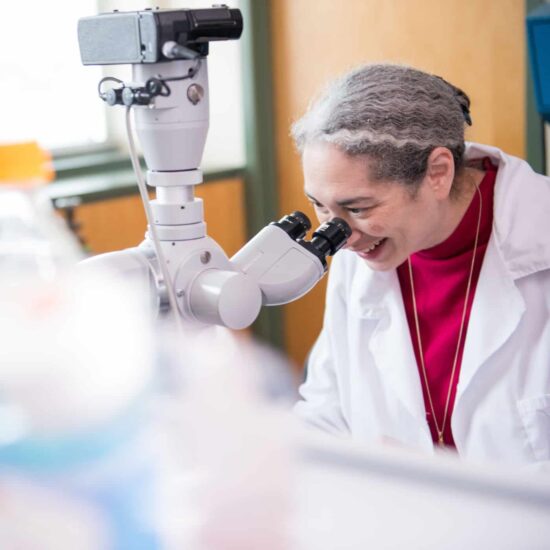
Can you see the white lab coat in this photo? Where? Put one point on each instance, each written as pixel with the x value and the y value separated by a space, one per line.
pixel 362 378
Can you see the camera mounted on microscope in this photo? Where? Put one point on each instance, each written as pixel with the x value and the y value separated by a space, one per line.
pixel 141 36
pixel 154 36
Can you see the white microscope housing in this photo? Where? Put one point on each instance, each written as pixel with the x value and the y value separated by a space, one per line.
pixel 169 97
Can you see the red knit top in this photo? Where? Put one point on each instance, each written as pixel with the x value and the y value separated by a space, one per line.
pixel 440 276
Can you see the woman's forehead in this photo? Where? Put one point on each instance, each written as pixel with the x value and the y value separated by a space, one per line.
pixel 325 163
pixel 329 157
pixel 329 172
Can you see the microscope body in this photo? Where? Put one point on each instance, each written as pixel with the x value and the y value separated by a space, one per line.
pixel 169 96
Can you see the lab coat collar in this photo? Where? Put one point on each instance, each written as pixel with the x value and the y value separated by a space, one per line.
pixel 497 293
pixel 371 288
pixel 521 205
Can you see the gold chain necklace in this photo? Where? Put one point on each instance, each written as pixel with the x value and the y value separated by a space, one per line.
pixel 441 430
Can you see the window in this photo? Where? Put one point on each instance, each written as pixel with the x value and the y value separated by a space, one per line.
pixel 49 96
pixel 46 95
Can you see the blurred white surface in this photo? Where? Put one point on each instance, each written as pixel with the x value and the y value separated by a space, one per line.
pixel 350 498
pixel 76 371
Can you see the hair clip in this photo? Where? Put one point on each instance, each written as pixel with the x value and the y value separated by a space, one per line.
pixel 466 113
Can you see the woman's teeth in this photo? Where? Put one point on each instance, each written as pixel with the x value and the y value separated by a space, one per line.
pixel 373 245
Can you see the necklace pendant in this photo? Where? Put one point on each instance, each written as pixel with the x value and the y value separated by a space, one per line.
pixel 440 441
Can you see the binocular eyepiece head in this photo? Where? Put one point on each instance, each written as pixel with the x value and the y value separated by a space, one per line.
pixel 327 239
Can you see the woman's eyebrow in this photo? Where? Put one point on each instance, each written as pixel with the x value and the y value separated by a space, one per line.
pixel 343 202
pixel 353 200
pixel 311 197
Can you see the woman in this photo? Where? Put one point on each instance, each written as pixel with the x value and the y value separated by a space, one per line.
pixel 436 328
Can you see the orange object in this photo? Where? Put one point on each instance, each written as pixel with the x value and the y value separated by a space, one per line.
pixel 25 164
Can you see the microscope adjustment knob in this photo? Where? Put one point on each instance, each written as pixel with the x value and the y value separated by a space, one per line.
pixel 136 96
pixel 195 93
pixel 113 96
pixel 127 96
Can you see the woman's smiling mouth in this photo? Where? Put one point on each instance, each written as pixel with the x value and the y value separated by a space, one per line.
pixel 371 251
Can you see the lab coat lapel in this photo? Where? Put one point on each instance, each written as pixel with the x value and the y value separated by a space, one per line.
pixel 390 343
pixel 496 296
pixel 498 305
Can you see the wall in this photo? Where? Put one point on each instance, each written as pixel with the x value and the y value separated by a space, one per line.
pixel 476 44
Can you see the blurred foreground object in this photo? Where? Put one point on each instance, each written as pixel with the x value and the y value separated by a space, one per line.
pixel 118 436
pixel 387 498
pixel 226 446
pixel 25 164
pixel 75 377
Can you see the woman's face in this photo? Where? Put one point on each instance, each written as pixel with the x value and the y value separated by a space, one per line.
pixel 388 222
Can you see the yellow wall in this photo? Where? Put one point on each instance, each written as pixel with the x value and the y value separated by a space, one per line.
pixel 478 45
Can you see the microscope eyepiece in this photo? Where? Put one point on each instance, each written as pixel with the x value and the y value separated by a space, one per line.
pixel 296 225
pixel 328 239
pixel 331 236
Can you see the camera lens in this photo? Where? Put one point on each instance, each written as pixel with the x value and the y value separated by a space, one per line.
pixel 296 225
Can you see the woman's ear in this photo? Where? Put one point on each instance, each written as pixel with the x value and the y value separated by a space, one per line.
pixel 440 172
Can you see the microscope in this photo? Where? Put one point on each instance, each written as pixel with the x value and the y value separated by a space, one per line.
pixel 185 271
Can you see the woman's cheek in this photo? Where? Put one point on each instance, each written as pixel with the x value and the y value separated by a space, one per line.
pixel 376 229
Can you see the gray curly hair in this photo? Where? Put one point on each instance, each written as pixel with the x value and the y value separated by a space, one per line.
pixel 393 114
